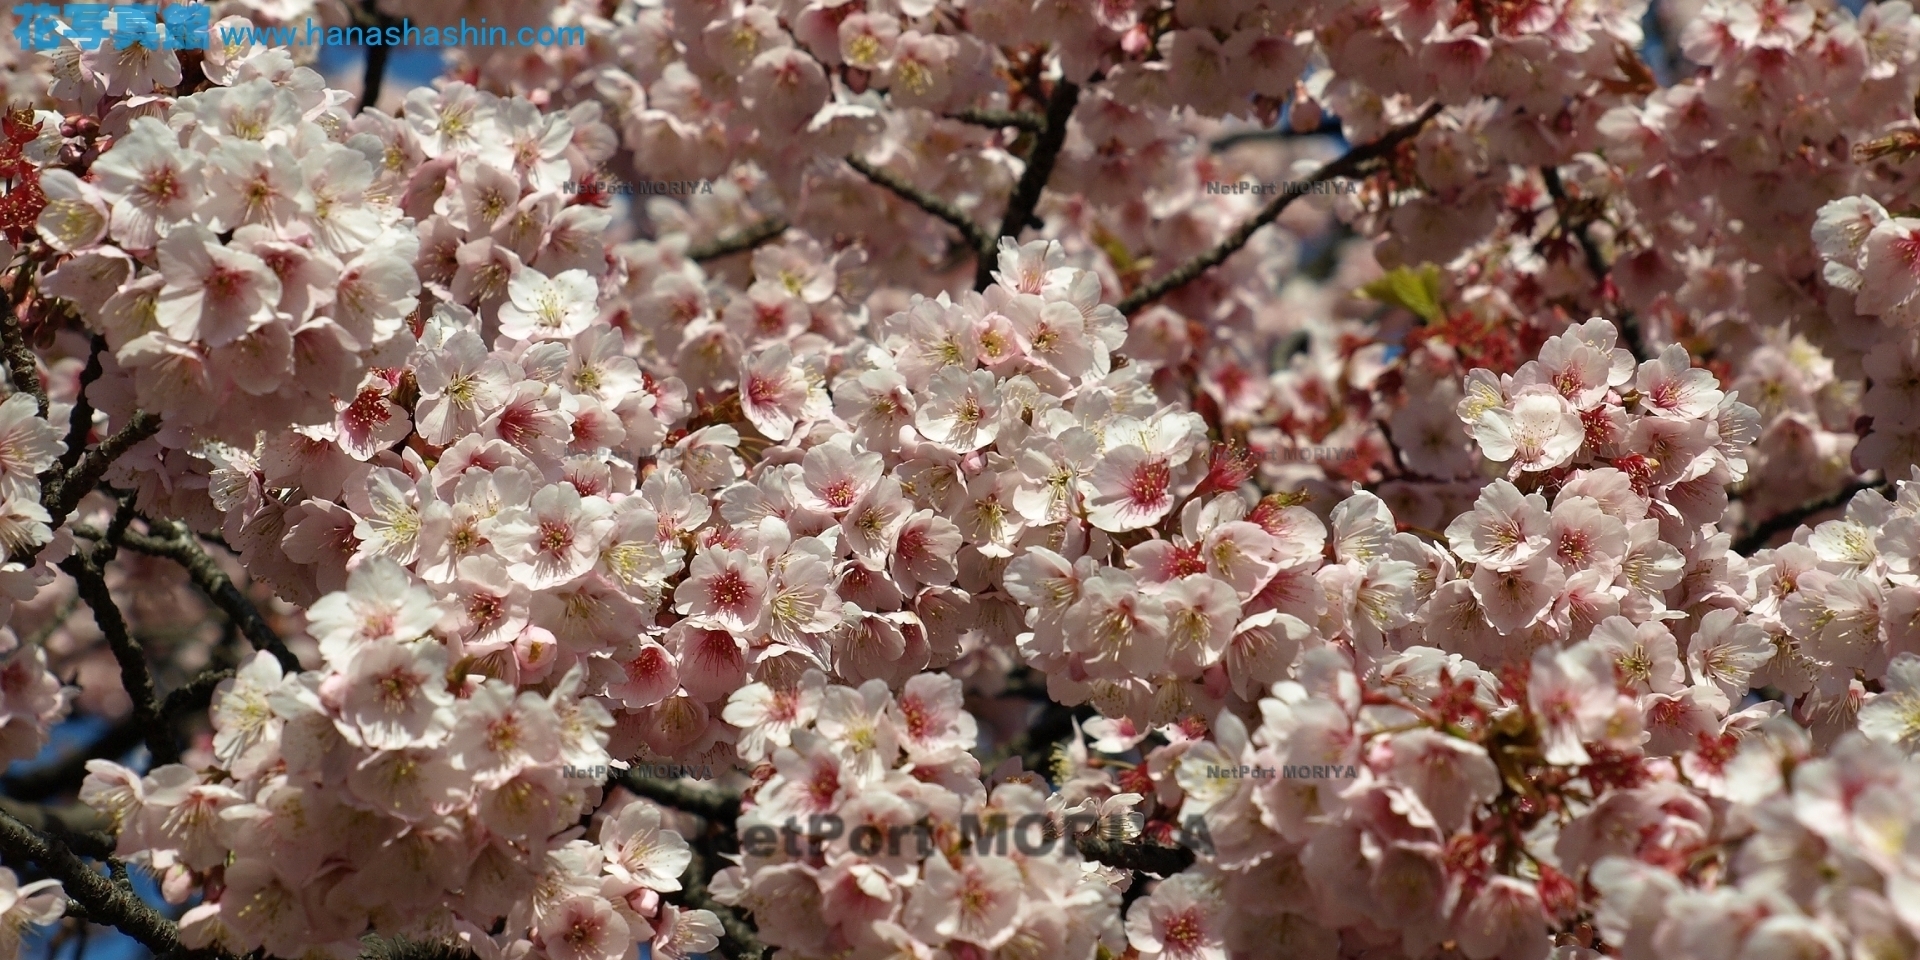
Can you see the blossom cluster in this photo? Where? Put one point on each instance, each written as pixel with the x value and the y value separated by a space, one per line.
pixel 32 699
pixel 1482 806
pixel 370 794
pixel 918 859
pixel 534 498
pixel 1636 462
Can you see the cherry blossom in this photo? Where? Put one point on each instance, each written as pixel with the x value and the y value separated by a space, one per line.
pixel 914 416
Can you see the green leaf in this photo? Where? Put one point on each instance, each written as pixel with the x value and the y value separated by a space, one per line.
pixel 1415 288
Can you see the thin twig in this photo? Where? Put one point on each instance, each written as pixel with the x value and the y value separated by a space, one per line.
pixel 63 492
pixel 1786 520
pixel 1352 162
pixel 205 572
pixel 80 421
pixel 1033 181
pixel 135 676
pixel 123 514
pixel 976 238
pixel 1001 119
pixel 1590 249
pixel 747 239
pixel 193 696
pixel 1596 262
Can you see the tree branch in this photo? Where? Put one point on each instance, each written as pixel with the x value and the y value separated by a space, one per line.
pixel 400 948
pixel 1036 744
pixel 373 77
pixel 193 696
pixel 135 677
pixel 80 421
pixel 1352 162
pixel 123 514
pixel 1589 249
pixel 22 366
pixel 1787 520
pixel 721 809
pixel 82 828
pixel 1329 127
pixel 1001 119
pixel 975 238
pixel 105 901
pixel 374 74
pixel 1596 263
pixel 206 574
pixel 1033 181
pixel 63 491
pixel 747 239
pixel 738 938
pixel 712 803
pixel 1136 855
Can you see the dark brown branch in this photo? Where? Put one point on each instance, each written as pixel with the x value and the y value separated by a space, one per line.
pixel 1590 249
pixel 1329 127
pixel 183 549
pixel 1787 520
pixel 373 77
pixel 400 948
pixel 83 829
pixel 721 809
pixel 1001 119
pixel 80 421
pixel 193 696
pixel 135 676
pixel 712 803
pixel 738 938
pixel 123 514
pixel 1349 164
pixel 1036 744
pixel 22 366
pixel 976 239
pixel 105 901
pixel 1596 262
pixel 63 492
pixel 747 239
pixel 1136 855
pixel 1033 181
pixel 374 73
